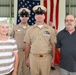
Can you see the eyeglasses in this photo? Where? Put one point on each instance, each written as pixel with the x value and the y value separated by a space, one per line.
pixel 71 20
pixel 24 15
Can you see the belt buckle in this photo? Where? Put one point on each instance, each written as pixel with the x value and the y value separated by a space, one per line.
pixel 41 55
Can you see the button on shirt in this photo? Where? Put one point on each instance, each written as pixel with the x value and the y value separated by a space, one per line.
pixel 40 39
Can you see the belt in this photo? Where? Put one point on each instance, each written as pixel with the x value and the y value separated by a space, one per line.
pixel 40 55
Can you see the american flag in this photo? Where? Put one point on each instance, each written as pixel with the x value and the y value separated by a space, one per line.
pixel 49 4
pixel 55 11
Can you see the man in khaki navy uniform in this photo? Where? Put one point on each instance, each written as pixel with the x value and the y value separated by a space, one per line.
pixel 18 33
pixel 40 40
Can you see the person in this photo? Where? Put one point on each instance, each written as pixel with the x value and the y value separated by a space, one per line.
pixel 40 39
pixel 18 33
pixel 66 42
pixel 8 51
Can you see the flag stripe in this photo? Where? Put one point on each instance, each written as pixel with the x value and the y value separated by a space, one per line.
pixel 48 11
pixel 57 14
pixel 52 10
pixel 45 4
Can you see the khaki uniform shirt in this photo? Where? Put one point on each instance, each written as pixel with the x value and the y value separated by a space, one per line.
pixel 18 33
pixel 40 39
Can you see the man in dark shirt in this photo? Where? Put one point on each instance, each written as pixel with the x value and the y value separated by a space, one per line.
pixel 66 42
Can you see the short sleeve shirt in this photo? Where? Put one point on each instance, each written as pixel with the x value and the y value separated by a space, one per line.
pixel 40 39
pixel 18 33
pixel 7 57
pixel 67 44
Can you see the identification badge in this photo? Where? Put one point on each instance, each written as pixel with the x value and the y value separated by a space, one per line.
pixel 18 30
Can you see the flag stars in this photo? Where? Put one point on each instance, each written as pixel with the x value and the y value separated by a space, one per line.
pixel 29 5
pixel 32 13
pixel 32 23
pixel 18 20
pixel 29 20
pixel 23 6
pixel 27 1
pixel 37 3
pixel 20 2
pixel 23 0
pixel 19 5
pixel 33 3
pixel 32 18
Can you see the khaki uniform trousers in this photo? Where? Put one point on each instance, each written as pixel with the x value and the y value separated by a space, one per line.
pixel 22 68
pixel 40 64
